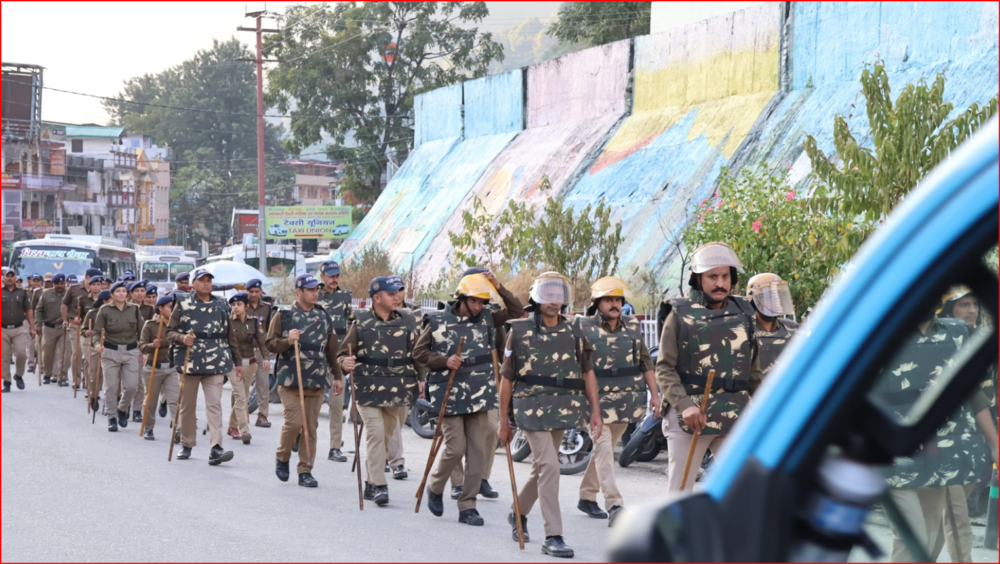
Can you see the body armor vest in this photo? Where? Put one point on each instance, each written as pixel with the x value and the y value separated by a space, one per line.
pixel 315 331
pixel 337 304
pixel 386 375
pixel 549 391
pixel 474 388
pixel 720 340
pixel 771 345
pixel 616 364
pixel 957 454
pixel 209 321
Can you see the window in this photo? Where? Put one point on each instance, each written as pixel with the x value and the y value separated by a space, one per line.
pixel 77 146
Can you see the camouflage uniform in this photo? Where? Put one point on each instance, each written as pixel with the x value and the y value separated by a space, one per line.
pixel 695 340
pixel 386 378
pixel 338 306
pixel 211 359
pixel 546 365
pixel 620 360
pixel 771 343
pixel 317 353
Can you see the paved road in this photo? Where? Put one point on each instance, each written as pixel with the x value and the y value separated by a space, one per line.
pixel 74 492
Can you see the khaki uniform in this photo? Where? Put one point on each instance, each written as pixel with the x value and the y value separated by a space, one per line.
pixel 71 299
pixel 249 340
pixel 35 346
pixel 16 333
pixel 93 358
pixel 146 313
pixel 542 485
pixel 263 313
pixel 48 318
pixel 160 377
pixel 120 359
pixel 83 306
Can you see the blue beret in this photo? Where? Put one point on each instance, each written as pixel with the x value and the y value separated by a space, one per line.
pixel 104 296
pixel 116 285
pixel 151 290
pixel 135 285
pixel 92 272
pixel 164 300
pixel 240 297
pixel 182 276
pixel 58 278
pixel 254 284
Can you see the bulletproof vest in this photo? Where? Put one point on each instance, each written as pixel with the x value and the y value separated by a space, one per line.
pixel 209 321
pixel 956 455
pixel 315 331
pixel 474 387
pixel 620 384
pixel 720 340
pixel 337 305
pixel 771 345
pixel 549 388
pixel 385 374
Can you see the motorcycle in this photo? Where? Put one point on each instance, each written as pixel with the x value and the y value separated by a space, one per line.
pixel 574 452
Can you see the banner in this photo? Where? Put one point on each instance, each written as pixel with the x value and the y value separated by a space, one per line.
pixel 57 163
pixel 40 227
pixel 11 181
pixel 308 222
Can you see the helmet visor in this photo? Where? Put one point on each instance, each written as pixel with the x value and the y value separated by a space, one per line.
pixel 773 299
pixel 714 255
pixel 552 291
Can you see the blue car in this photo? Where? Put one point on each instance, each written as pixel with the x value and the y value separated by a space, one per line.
pixel 837 428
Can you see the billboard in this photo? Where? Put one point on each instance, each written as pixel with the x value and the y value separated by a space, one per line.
pixel 246 224
pixel 308 222
pixel 11 181
pixel 40 227
pixel 57 162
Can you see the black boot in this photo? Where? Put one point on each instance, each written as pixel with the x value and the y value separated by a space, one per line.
pixel 381 496
pixel 112 425
pixel 487 491
pixel 435 503
pixel 471 517
pixel 613 514
pixel 149 435
pixel 281 470
pixel 6 387
pixel 218 456
pixel 307 481
pixel 369 492
pixel 456 492
pixel 591 508
pixel 185 453
pixel 513 526
pixel 163 409
pixel 123 419
pixel 46 380
pixel 555 546
pixel 19 382
pixel 137 417
pixel 336 455
pixel 399 473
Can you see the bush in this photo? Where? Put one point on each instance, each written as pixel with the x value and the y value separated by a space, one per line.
pixel 370 262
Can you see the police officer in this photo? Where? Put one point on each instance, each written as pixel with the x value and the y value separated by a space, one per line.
pixel 473 393
pixel 307 324
pixel 70 316
pixel 34 346
pixel 137 297
pixel 200 322
pixel 337 303
pixel 106 284
pixel 711 329
pixel 127 277
pixel 771 298
pixel 957 455
pixel 121 326
pixel 152 296
pixel 248 338
pixel 94 358
pixel 161 377
pixel 18 330
pixel 260 309
pixel 548 380
pixel 182 282
pixel 82 307
pixel 48 319
pixel 381 338
pixel 624 372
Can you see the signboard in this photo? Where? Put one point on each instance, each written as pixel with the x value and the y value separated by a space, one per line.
pixel 308 222
pixel 246 224
pixel 8 231
pixel 11 181
pixel 57 163
pixel 40 227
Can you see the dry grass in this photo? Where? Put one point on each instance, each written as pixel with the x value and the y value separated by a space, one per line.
pixel 365 265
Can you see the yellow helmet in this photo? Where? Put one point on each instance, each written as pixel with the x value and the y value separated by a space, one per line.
pixel 610 287
pixel 476 286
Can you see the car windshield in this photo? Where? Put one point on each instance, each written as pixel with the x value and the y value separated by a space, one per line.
pixel 42 260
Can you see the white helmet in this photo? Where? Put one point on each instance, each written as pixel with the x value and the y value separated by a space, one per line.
pixel 770 295
pixel 551 288
pixel 713 255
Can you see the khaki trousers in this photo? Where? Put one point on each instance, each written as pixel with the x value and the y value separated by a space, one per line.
pixel 600 474
pixel 924 509
pixel 53 353
pixel 263 388
pixel 336 421
pixel 678 447
pixel 15 344
pixel 71 352
pixel 167 381
pixel 394 446
pixel 490 444
pixel 120 368
pixel 957 525
pixel 292 427
pixel 34 345
pixel 212 388
pixel 139 399
pixel 239 417
pixel 380 423
pixel 93 364
pixel 543 483
pixel 463 436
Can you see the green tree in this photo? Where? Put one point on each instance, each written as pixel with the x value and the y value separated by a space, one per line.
pixel 597 23
pixel 909 138
pixel 214 140
pixel 501 243
pixel 352 69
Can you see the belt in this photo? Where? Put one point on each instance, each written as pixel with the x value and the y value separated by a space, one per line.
pixel 17 326
pixel 210 336
pixel 477 360
pixel 115 347
pixel 571 383
pixel 727 384
pixel 160 365
pixel 386 362
pixel 52 325
pixel 631 371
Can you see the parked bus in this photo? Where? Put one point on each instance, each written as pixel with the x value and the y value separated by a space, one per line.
pixel 160 265
pixel 72 255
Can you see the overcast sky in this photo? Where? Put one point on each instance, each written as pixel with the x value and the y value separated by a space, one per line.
pixel 93 47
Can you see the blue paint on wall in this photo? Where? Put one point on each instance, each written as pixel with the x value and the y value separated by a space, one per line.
pixel 494 104
pixel 438 114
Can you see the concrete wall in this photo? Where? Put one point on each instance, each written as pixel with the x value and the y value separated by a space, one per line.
pixel 438 114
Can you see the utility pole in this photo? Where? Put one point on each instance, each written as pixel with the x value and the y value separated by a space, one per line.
pixel 261 224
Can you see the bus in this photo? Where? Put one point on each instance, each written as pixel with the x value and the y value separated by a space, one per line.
pixel 160 265
pixel 71 255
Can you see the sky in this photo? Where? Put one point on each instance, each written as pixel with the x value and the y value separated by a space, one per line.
pixel 94 47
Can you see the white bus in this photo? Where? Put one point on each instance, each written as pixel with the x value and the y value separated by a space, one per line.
pixel 160 265
pixel 71 255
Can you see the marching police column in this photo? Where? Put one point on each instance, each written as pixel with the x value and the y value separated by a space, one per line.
pixel 262 310
pixel 161 376
pixel 248 339
pixel 49 320
pixel 119 325
pixel 18 330
pixel 337 303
